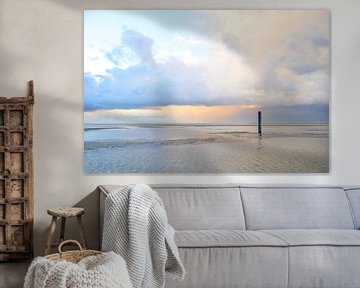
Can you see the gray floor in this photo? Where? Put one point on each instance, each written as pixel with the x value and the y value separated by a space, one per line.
pixel 12 274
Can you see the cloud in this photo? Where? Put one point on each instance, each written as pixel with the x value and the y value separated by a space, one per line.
pixel 250 57
pixel 222 79
pixel 220 114
pixel 139 44
pixel 289 50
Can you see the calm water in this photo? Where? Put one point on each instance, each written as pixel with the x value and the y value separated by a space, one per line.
pixel 205 149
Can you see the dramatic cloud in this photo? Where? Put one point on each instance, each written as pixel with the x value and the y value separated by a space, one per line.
pixel 274 60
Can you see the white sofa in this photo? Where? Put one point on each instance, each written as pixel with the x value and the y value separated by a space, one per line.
pixel 243 236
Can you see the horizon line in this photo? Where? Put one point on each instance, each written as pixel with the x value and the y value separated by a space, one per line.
pixel 215 124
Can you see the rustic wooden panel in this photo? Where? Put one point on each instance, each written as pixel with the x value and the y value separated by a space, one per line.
pixel 2 235
pixel 2 212
pixel 2 161
pixel 16 162
pixel 2 139
pixel 17 211
pixel 2 188
pixel 2 118
pixel 13 249
pixel 16 139
pixel 16 177
pixel 17 235
pixel 17 188
pixel 16 118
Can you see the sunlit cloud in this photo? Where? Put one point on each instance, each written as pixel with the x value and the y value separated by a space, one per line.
pixel 171 114
pixel 268 59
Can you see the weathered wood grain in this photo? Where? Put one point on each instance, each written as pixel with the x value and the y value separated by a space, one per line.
pixel 16 177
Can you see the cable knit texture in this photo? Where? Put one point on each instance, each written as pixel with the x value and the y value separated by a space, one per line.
pixel 136 227
pixel 103 271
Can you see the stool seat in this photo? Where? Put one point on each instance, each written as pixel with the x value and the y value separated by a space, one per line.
pixel 66 211
pixel 63 213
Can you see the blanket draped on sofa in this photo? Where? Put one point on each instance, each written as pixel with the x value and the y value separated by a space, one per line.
pixel 136 227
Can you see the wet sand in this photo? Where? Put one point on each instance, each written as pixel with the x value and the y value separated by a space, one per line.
pixel 207 149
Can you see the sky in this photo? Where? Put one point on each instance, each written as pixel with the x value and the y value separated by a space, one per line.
pixel 206 66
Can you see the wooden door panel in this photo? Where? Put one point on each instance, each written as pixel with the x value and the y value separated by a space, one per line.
pixel 2 138
pixel 16 162
pixel 16 183
pixel 2 117
pixel 2 212
pixel 17 188
pixel 2 235
pixel 17 211
pixel 2 162
pixel 16 139
pixel 16 118
pixel 2 189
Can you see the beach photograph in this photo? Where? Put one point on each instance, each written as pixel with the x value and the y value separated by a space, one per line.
pixel 206 91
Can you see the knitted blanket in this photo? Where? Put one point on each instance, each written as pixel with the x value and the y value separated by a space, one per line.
pixel 103 271
pixel 136 227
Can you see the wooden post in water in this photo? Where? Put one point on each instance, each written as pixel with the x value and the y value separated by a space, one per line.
pixel 259 123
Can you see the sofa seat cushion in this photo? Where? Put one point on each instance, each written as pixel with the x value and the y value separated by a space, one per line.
pixel 235 267
pixel 324 258
pixel 317 237
pixel 225 238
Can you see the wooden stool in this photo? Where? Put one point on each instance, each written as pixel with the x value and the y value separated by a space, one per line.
pixel 64 213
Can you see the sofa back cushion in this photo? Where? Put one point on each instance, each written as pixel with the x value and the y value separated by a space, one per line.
pixel 354 198
pixel 296 208
pixel 203 208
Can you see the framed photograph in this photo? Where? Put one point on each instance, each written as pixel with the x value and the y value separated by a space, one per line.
pixel 206 91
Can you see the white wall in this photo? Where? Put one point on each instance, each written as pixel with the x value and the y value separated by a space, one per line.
pixel 43 40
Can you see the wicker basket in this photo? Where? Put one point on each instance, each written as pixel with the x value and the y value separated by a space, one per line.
pixel 72 256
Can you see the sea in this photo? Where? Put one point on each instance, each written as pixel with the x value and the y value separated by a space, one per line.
pixel 195 148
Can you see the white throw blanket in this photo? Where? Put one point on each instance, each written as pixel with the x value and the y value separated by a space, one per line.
pixel 102 271
pixel 136 227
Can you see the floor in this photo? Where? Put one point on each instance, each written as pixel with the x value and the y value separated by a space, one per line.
pixel 12 274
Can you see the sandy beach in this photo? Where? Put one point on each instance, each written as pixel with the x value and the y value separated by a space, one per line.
pixel 206 149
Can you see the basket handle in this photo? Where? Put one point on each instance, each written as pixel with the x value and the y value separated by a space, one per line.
pixel 69 241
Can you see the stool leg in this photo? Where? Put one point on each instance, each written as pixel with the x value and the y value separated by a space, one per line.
pixel 82 232
pixel 62 230
pixel 51 235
